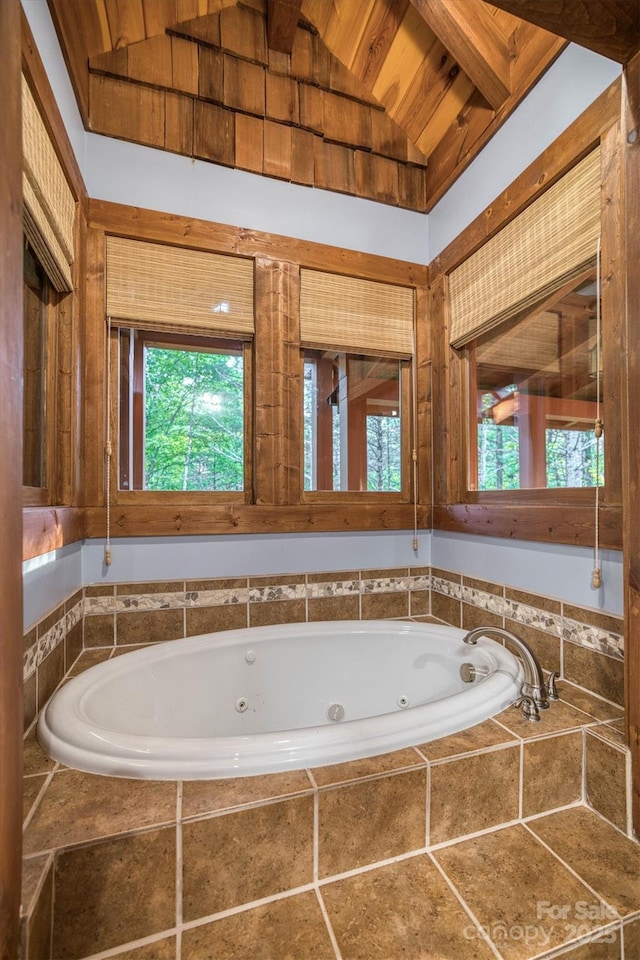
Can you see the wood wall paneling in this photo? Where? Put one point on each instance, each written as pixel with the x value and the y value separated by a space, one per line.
pixel 214 133
pixel 631 487
pixel 278 366
pixel 154 520
pixel 249 143
pixel 126 110
pixel 277 150
pixel 11 648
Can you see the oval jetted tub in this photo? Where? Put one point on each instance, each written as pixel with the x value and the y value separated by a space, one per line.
pixel 268 699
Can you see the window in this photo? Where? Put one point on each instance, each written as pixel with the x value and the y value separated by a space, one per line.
pixel 39 383
pixel 181 412
pixel 353 422
pixel 533 394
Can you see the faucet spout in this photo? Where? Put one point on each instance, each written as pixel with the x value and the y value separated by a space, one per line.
pixel 533 686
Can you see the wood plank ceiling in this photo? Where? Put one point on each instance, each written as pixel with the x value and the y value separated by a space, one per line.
pixel 384 99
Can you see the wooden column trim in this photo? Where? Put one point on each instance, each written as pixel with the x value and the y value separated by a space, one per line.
pixel 10 480
pixel 278 387
pixel 631 461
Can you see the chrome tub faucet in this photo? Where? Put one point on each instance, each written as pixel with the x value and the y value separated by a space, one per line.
pixel 535 694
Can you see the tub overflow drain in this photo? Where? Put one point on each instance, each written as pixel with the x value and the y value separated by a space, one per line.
pixel 335 711
pixel 241 704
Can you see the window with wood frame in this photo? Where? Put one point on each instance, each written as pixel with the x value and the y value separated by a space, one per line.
pixel 533 392
pixel 525 308
pixel 49 239
pixel 357 337
pixel 353 422
pixel 185 323
pixel 181 410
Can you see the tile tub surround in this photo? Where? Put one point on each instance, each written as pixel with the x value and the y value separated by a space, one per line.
pixel 370 858
pixel 583 645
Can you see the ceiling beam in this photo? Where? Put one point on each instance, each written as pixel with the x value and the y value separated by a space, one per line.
pixel 471 35
pixel 282 20
pixel 609 27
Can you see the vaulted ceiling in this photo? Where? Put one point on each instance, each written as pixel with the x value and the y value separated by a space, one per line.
pixel 385 99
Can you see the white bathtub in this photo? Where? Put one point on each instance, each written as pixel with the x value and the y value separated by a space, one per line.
pixel 275 698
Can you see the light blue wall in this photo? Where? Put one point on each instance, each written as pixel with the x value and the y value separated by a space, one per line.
pixel 162 181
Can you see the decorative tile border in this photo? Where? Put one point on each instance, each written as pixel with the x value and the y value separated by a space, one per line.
pixel 582 634
pixel 565 628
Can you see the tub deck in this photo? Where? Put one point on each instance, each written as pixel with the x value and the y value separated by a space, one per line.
pixel 355 859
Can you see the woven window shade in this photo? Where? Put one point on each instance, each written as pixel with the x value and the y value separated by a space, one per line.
pixel 531 346
pixel 546 246
pixel 155 287
pixel 355 316
pixel 49 206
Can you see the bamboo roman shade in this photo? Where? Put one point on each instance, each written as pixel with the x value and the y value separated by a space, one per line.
pixel 173 289
pixel 48 204
pixel 551 242
pixel 355 316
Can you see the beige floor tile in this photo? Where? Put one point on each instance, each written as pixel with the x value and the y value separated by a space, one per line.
pixel 355 769
pixel 30 790
pixel 246 855
pixel 35 759
pixel 371 820
pixel 402 910
pixel 606 860
pixel 525 899
pixel 164 949
pixel 114 892
pixel 486 734
pixel 486 791
pixel 601 946
pixel 631 933
pixel 81 806
pixel 207 796
pixel 552 772
pixel 605 779
pixel 289 929
pixel 37 922
pixel 583 700
pixel 559 716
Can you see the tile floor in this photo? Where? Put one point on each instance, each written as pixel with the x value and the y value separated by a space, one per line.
pixel 479 845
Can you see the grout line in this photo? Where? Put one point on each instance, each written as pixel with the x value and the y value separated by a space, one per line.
pixel 43 789
pixel 496 828
pixel 328 924
pixel 316 834
pixel 567 948
pixel 463 903
pixel 427 814
pixel 245 907
pixel 179 862
pixel 575 873
pixel 368 867
pixel 521 782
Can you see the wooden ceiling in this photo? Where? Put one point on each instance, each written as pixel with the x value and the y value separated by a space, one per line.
pixel 385 99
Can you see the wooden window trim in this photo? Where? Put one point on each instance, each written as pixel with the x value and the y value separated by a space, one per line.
pixel 546 515
pixel 176 498
pixel 404 495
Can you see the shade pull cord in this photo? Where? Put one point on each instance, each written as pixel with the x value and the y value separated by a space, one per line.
pixel 108 452
pixel 414 452
pixel 598 429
